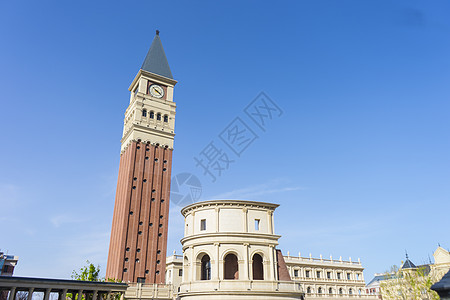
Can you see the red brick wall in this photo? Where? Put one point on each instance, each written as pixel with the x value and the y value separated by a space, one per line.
pixel 139 230
pixel 283 273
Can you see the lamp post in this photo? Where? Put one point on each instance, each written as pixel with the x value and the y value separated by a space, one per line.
pixel 443 287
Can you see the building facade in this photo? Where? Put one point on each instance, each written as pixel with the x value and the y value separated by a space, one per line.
pixel 229 247
pixel 229 252
pixel 393 285
pixel 315 277
pixel 329 278
pixel 7 264
pixel 138 244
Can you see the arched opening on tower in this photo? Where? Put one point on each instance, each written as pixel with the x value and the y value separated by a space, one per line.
pixel 205 273
pixel 231 267
pixel 258 270
pixel 185 269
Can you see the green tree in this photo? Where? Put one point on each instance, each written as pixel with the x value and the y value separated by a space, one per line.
pixel 408 284
pixel 87 273
pixel 90 272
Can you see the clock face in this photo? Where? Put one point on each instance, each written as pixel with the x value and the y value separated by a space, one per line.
pixel 156 91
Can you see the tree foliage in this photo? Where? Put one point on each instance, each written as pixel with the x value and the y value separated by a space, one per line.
pixel 408 284
pixel 87 273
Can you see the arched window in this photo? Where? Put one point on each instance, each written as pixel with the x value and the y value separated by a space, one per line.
pixel 144 113
pixel 350 291
pixel 166 118
pixel 340 291
pixel 205 268
pixel 319 290
pixel 359 292
pixel 185 268
pixel 158 117
pixel 152 115
pixel 330 291
pixel 258 270
pixel 308 290
pixel 231 268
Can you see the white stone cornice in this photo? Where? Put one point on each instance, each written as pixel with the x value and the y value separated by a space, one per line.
pixel 228 203
pixel 155 77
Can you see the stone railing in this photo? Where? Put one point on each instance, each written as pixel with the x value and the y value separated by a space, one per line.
pixel 250 286
pixel 61 288
pixel 149 291
pixel 322 260
pixel 341 296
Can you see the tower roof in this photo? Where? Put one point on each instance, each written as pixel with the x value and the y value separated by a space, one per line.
pixel 408 264
pixel 156 60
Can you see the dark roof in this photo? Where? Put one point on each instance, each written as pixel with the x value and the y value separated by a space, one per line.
pixel 156 60
pixel 408 264
pixel 381 277
pixel 443 284
pixel 424 268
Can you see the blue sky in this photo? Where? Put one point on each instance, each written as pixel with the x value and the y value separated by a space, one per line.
pixel 358 160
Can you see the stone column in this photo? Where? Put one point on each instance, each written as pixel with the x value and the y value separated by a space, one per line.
pixel 108 296
pixel 142 85
pixel 246 262
pixel 30 293
pixel 94 295
pixel 62 295
pixel 245 217
pixel 193 230
pixel 192 264
pixel 12 293
pixel 272 263
pixel 270 222
pixel 217 262
pixel 217 219
pixel 80 294
pixel 47 294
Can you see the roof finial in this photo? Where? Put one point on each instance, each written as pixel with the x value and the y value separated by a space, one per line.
pixel 406 254
pixel 157 32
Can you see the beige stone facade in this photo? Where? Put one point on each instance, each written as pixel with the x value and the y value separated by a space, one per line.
pixel 216 228
pixel 411 281
pixel 303 270
pixel 441 263
pixel 229 253
pixel 333 279
pixel 157 124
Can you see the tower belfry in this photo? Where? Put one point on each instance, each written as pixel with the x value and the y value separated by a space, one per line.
pixel 138 245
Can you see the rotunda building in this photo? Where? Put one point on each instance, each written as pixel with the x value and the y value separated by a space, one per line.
pixel 229 253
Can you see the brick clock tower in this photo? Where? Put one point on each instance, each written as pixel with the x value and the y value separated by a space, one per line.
pixel 138 245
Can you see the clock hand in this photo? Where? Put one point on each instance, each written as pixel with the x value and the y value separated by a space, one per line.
pixel 159 93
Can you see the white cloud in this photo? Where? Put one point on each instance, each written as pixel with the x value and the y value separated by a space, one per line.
pixel 64 219
pixel 270 187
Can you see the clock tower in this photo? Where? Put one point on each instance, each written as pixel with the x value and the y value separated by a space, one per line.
pixel 138 244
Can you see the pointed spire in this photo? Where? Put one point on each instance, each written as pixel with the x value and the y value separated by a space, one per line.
pixel 156 60
pixel 408 264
